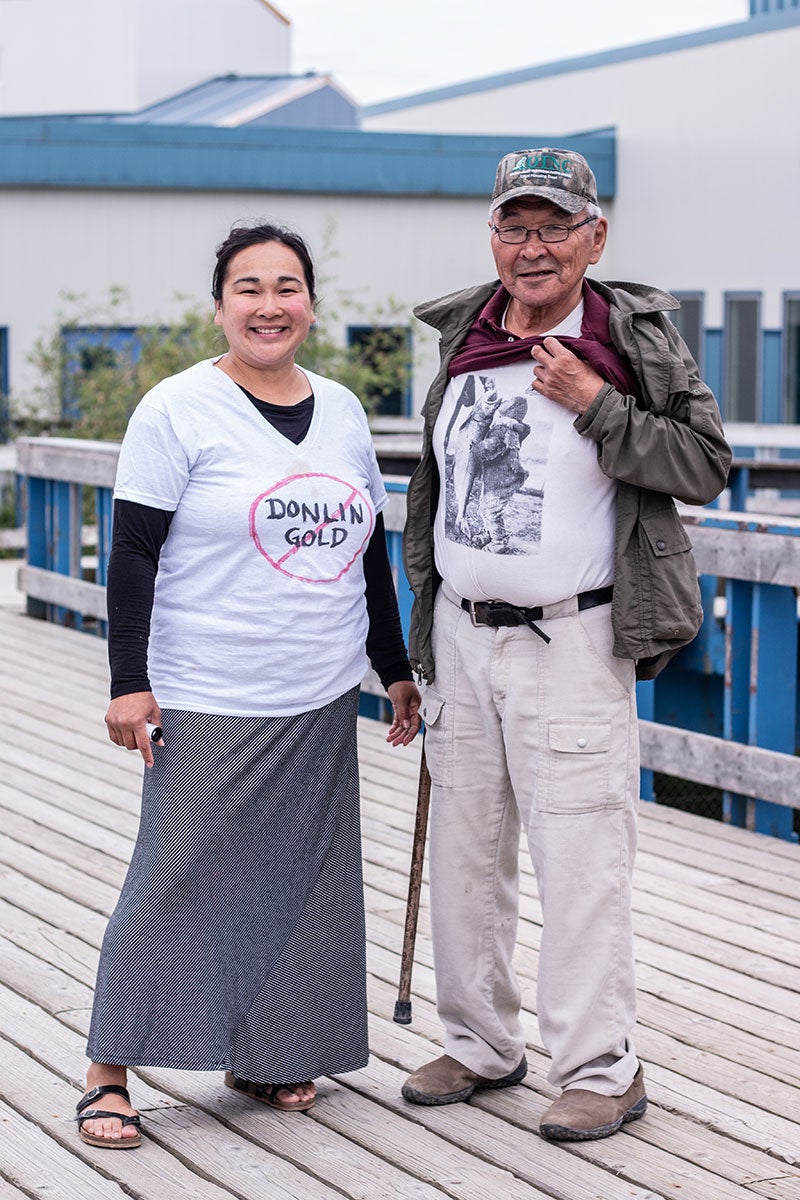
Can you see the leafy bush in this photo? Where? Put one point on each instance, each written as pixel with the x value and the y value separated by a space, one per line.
pixel 94 368
pixel 90 383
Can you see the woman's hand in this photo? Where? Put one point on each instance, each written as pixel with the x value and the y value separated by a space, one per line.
pixel 127 719
pixel 406 700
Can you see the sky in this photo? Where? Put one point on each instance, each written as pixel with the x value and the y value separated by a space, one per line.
pixel 381 49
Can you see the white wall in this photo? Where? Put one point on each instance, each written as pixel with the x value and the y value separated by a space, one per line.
pixel 160 244
pixel 182 42
pixel 93 56
pixel 66 57
pixel 707 143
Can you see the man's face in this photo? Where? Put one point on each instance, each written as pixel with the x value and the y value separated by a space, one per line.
pixel 546 278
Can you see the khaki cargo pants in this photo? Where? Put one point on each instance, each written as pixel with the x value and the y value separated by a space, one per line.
pixel 525 735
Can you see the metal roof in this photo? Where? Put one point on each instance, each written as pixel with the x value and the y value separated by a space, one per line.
pixel 65 152
pixel 234 100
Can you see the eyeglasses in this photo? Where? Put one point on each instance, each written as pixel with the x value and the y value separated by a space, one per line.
pixel 515 235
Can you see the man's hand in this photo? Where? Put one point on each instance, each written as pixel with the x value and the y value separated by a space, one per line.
pixel 127 719
pixel 562 377
pixel 406 700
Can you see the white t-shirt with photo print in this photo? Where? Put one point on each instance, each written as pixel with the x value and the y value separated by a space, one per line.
pixel 525 514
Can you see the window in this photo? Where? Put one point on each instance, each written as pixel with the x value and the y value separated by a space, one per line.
pixel 742 392
pixel 4 413
pixel 757 7
pixel 688 321
pixel 385 351
pixel 87 347
pixel 791 357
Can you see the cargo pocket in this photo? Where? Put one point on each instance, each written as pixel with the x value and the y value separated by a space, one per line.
pixel 676 607
pixel 579 768
pixel 438 738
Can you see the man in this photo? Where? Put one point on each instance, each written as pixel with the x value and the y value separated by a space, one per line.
pixel 537 605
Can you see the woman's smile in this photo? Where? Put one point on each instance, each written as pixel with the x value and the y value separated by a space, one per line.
pixel 265 310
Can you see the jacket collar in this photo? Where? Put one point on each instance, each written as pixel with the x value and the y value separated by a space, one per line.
pixel 634 297
pixel 448 313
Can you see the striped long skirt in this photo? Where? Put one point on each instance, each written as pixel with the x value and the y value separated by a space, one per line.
pixel 238 940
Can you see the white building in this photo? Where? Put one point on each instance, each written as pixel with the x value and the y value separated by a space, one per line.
pixel 85 205
pixel 101 56
pixel 693 139
pixel 707 133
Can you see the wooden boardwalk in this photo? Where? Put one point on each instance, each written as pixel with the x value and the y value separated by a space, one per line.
pixel 718 927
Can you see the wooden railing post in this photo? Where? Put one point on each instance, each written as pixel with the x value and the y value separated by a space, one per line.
pixel 37 508
pixel 645 707
pixel 395 522
pixel 736 695
pixel 773 691
pixel 104 508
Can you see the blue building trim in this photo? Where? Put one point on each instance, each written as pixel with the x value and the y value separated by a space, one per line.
pixel 713 364
pixel 3 360
pixel 765 23
pixel 65 152
pixel 771 356
pixel 771 363
pixel 4 413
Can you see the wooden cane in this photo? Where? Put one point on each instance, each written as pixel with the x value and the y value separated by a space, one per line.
pixel 402 1008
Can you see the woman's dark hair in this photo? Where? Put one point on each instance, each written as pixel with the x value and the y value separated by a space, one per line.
pixel 242 236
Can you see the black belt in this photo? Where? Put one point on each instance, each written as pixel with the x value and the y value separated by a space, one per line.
pixel 497 613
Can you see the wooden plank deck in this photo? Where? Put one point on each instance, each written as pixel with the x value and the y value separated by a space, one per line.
pixel 718 928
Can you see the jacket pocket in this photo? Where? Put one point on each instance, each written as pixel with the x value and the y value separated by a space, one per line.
pixel 579 756
pixel 674 593
pixel 438 737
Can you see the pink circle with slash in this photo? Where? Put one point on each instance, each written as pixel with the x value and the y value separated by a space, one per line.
pixel 311 527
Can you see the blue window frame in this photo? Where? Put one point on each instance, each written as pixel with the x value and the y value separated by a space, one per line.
pixel 760 8
pixel 4 413
pixel 87 347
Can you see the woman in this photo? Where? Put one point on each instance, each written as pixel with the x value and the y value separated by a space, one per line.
pixel 248 574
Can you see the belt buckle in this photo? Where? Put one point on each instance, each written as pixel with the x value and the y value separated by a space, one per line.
pixel 473 614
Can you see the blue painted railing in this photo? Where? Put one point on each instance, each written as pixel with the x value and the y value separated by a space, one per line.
pixel 735 689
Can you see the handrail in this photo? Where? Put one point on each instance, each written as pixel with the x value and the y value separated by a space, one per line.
pixel 749 637
pixel 763 437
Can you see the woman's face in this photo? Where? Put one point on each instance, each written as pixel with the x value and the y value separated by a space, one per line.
pixel 266 310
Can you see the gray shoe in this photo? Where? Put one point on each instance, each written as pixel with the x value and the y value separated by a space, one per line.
pixel 582 1116
pixel 446 1081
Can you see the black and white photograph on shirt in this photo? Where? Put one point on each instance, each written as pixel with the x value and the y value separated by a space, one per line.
pixel 495 462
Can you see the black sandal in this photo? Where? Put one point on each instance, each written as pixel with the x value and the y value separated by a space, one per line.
pixel 93 1114
pixel 267 1093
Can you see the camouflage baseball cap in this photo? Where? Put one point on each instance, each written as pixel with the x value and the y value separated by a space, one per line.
pixel 560 176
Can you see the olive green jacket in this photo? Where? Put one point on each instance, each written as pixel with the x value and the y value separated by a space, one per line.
pixel 668 444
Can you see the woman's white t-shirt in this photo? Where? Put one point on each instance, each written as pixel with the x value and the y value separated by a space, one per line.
pixel 259 602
